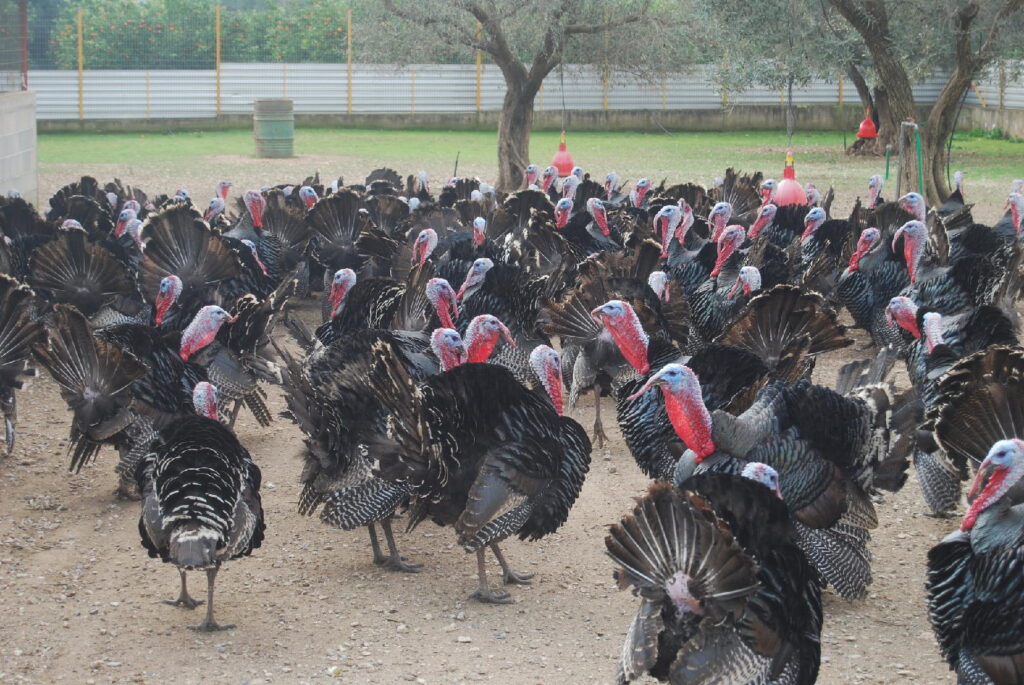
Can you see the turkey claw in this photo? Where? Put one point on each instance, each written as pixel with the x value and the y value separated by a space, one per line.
pixel 513 578
pixel 211 627
pixel 185 602
pixel 489 596
pixel 398 563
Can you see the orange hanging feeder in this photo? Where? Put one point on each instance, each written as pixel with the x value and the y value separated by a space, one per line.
pixel 789 192
pixel 867 127
pixel 562 159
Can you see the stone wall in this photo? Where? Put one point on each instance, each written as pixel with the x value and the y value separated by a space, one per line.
pixel 18 144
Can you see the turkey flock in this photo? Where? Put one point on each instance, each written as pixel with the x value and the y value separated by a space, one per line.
pixel 457 330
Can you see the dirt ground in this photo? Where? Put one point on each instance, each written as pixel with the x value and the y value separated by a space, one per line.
pixel 81 599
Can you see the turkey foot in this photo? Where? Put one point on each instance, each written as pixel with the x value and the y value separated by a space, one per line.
pixel 234 413
pixel 510 576
pixel 209 625
pixel 484 593
pixel 184 600
pixel 599 437
pixel 395 561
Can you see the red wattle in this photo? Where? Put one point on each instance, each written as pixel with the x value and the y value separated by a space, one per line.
pixel 692 423
pixel 632 347
pixel 992 484
pixel 480 349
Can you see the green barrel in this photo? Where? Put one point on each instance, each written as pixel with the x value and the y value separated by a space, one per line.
pixel 274 127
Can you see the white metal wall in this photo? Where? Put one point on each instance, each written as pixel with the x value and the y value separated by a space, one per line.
pixel 419 88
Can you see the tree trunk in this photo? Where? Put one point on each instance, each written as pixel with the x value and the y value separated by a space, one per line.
pixel 514 134
pixel 863 92
pixel 939 128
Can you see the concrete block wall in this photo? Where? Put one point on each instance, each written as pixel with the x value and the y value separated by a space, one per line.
pixel 18 144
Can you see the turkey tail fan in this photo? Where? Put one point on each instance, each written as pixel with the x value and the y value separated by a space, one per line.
pixel 938 239
pixel 124 193
pixel 389 214
pixel 71 270
pixel 469 210
pixel 570 318
pixel 542 251
pixel 640 653
pixel 254 319
pixel 286 223
pixel 742 192
pixel 338 223
pixel 178 242
pixel 523 204
pixel 669 532
pixel 774 321
pixel 887 218
pixel 586 190
pixel 394 388
pixel 980 401
pixel 87 211
pixel 413 307
pixel 18 333
pixel 695 195
pixel 865 372
pixel 87 186
pixel 728 374
pixel 387 175
pixel 94 378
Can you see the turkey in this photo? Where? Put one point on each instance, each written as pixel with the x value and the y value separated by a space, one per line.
pixel 590 355
pixel 95 379
pixel 482 453
pixel 726 594
pixel 831 453
pixel 729 372
pixel 344 236
pixel 185 263
pixel 200 500
pixel 23 231
pixel 19 333
pixel 71 270
pixel 234 349
pixel 975 577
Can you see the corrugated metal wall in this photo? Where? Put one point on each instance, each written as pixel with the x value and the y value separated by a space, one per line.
pixel 323 89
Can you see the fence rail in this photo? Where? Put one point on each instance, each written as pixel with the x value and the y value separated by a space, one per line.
pixel 418 88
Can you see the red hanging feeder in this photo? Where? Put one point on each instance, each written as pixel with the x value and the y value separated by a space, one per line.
pixel 867 127
pixel 562 159
pixel 789 192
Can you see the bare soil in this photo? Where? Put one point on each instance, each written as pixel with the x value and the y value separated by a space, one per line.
pixel 81 599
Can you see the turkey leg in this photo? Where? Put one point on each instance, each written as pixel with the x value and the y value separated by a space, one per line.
pixel 234 413
pixel 378 556
pixel 184 600
pixel 208 624
pixel 395 561
pixel 599 436
pixel 510 576
pixel 484 593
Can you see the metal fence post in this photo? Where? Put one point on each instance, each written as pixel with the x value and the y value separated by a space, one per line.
pixel 23 20
pixel 81 65
pixel 348 58
pixel 149 111
pixel 412 91
pixel 1002 85
pixel 216 50
pixel 842 82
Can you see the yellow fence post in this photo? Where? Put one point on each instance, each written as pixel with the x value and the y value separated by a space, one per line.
pixel 479 66
pixel 1002 85
pixel 284 79
pixel 81 64
pixel 216 51
pixel 664 95
pixel 977 91
pixel 842 83
pixel 541 93
pixel 149 111
pixel 348 57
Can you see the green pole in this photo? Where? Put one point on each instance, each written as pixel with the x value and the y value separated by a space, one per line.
pixel 888 156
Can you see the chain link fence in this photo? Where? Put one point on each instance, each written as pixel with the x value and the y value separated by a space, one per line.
pixel 13 44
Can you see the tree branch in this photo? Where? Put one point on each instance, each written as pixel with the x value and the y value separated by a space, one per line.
pixel 576 29
pixel 463 36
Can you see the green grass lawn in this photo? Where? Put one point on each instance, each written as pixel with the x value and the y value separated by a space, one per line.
pixel 164 161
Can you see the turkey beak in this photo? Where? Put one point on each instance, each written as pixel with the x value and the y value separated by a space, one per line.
pixel 651 382
pixel 981 480
pixel 596 315
pixel 508 334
